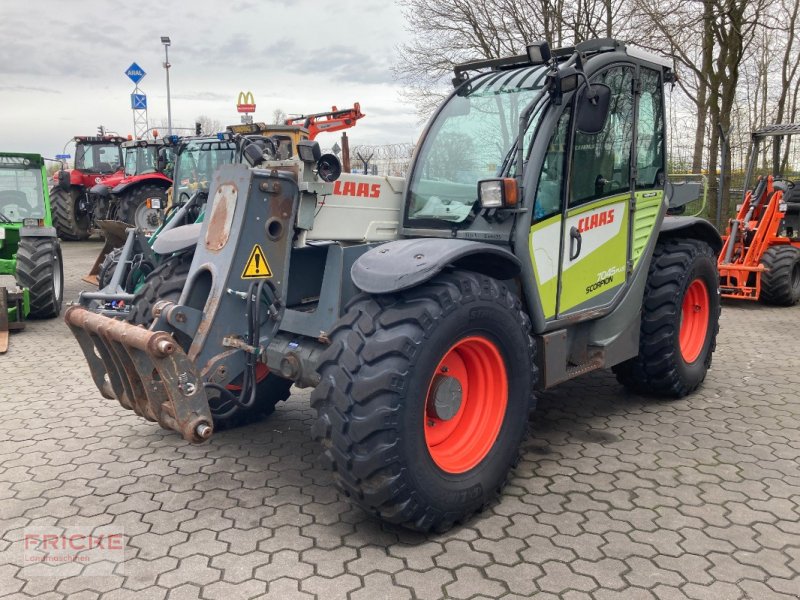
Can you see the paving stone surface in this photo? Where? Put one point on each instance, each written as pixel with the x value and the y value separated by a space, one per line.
pixel 616 495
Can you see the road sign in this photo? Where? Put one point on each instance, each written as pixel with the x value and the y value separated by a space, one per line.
pixel 63 156
pixel 336 148
pixel 138 102
pixel 135 73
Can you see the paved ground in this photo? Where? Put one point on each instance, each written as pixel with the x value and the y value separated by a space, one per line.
pixel 617 496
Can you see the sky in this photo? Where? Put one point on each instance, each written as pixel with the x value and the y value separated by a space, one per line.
pixel 62 65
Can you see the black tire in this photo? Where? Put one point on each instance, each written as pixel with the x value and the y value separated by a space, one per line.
pixel 660 367
pixel 166 282
pixel 41 270
pixel 107 267
pixel 70 225
pixel 372 399
pixel 131 204
pixel 780 283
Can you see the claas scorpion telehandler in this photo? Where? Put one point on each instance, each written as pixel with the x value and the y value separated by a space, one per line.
pixel 532 247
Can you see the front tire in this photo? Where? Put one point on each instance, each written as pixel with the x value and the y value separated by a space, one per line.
pixel 41 270
pixel 679 323
pixel 70 223
pixel 780 283
pixel 424 399
pixel 107 268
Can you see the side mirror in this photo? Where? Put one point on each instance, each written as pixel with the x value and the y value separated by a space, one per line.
pixel 161 162
pixel 329 168
pixel 593 112
pixel 253 154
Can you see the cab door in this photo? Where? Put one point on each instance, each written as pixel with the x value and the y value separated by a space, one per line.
pixel 595 233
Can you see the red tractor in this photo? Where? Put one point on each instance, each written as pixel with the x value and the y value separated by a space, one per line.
pixel 96 159
pixel 138 194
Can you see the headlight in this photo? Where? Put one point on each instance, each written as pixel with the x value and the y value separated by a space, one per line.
pixel 30 222
pixel 491 193
pixel 498 193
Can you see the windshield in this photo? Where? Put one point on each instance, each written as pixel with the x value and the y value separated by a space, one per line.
pixel 470 140
pixel 20 194
pixel 196 164
pixel 97 158
pixel 140 160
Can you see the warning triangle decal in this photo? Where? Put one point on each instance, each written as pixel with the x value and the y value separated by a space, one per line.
pixel 257 266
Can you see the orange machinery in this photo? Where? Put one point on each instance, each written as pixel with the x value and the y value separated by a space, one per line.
pixel 760 258
pixel 334 120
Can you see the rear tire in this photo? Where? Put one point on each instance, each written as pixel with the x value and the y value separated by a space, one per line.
pixel 166 282
pixel 41 270
pixel 132 207
pixel 68 223
pixel 680 321
pixel 780 283
pixel 378 379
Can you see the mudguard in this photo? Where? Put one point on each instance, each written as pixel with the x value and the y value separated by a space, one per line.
pixel 403 264
pixel 693 227
pixel 177 239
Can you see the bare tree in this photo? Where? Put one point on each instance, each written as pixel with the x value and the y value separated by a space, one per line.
pixel 278 116
pixel 208 125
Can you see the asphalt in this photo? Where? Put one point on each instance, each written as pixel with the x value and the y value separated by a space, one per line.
pixel 616 495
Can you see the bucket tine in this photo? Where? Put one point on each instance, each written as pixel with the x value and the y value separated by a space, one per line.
pixel 146 371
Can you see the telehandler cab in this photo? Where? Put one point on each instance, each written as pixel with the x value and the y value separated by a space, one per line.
pixel 532 246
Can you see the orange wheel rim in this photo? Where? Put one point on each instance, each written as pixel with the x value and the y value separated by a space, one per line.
pixel 261 372
pixel 460 439
pixel 694 320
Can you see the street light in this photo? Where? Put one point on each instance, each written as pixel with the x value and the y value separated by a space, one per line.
pixel 165 40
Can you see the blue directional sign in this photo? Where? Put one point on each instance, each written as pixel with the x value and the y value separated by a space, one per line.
pixel 63 156
pixel 135 73
pixel 138 102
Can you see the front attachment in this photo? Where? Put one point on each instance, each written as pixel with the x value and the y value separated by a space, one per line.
pixel 146 371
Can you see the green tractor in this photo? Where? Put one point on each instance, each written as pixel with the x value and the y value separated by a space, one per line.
pixel 29 246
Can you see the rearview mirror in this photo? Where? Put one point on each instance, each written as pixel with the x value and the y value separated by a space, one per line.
pixel 593 112
pixel 161 162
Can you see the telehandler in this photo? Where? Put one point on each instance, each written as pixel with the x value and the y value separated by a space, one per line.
pixel 531 246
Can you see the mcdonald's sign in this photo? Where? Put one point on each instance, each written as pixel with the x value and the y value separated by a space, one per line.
pixel 245 103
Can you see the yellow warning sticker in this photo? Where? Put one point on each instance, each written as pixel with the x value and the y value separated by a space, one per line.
pixel 257 266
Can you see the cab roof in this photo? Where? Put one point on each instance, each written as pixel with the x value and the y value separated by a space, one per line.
pixel 34 160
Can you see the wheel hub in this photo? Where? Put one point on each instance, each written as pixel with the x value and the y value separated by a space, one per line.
pixel 447 395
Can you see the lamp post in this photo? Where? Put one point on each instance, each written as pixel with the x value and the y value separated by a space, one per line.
pixel 166 42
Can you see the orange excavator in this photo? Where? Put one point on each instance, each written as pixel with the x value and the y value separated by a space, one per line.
pixel 334 120
pixel 760 259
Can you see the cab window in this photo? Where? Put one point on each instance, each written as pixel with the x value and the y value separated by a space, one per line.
pixel 548 190
pixel 602 162
pixel 650 138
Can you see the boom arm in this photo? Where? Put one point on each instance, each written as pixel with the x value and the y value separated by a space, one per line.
pixel 335 120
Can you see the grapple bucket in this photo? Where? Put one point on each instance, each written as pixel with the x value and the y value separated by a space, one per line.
pixel 146 371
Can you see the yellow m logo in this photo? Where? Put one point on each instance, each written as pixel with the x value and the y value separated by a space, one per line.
pixel 245 98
